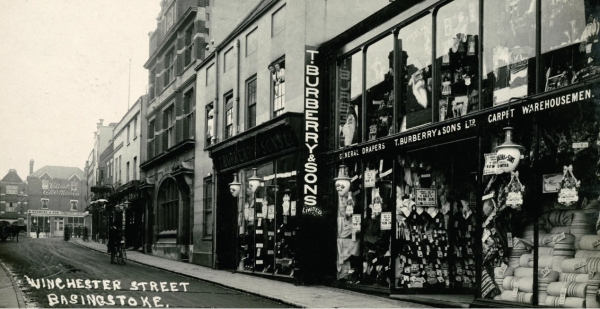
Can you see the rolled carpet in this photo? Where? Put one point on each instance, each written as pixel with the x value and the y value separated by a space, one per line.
pixel 574 289
pixel 580 265
pixel 570 302
pixel 590 242
pixel 520 297
pixel 524 284
pixel 574 277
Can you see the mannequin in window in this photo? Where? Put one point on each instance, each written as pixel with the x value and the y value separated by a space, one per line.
pixel 349 133
pixel 347 247
pixel 211 125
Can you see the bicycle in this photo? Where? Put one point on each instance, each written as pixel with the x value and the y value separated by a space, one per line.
pixel 121 254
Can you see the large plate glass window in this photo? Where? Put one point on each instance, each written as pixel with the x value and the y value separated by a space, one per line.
pixel 349 99
pixel 457 58
pixel 380 88
pixel 415 59
pixel 509 50
pixel 570 47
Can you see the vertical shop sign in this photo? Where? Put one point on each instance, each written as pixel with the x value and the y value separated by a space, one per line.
pixel 311 131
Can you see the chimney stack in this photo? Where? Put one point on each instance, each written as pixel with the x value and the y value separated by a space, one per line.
pixel 31 167
pixel 99 124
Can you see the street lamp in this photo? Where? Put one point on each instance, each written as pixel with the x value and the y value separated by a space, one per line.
pixel 235 186
pixel 254 181
pixel 509 153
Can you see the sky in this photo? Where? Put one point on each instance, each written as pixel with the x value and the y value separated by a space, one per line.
pixel 65 64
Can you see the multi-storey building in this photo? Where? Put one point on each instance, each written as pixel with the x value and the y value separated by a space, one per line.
pixel 177 46
pixel 255 92
pixel 13 199
pixel 55 199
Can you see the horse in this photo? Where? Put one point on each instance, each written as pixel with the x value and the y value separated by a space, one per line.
pixel 12 231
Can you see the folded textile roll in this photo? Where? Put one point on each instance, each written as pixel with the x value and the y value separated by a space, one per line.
pixel 581 226
pixel 574 277
pixel 498 272
pixel 523 272
pixel 574 289
pixel 525 259
pixel 542 251
pixel 521 297
pixel 580 265
pixel 570 302
pixel 559 218
pixel 513 262
pixel 550 277
pixel 587 254
pixel 589 242
pixel 590 299
pixel 525 284
pixel 567 250
pixel 561 229
pixel 551 239
pixel 542 298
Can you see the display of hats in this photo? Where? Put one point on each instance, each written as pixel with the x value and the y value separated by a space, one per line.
pixel 590 242
pixel 574 289
pixel 520 297
pixel 570 302
pixel 524 284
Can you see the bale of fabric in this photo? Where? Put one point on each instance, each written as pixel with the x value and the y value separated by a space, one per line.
pixel 560 218
pixel 498 272
pixel 545 251
pixel 587 254
pixel 520 297
pixel 547 240
pixel 574 289
pixel 523 272
pixel 570 302
pixel 590 299
pixel 574 265
pixel 561 229
pixel 574 277
pixel 590 242
pixel 524 284
pixel 581 227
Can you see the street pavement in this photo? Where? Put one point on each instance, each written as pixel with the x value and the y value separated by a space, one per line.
pixel 295 296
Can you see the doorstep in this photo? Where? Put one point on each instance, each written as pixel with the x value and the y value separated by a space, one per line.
pixel 438 300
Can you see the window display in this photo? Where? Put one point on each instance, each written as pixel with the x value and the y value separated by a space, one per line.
pixel 349 98
pixel 435 219
pixel 266 218
pixel 380 88
pixel 457 58
pixel 570 47
pixel 509 50
pixel 415 46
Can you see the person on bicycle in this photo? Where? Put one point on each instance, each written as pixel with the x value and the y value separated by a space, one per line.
pixel 114 240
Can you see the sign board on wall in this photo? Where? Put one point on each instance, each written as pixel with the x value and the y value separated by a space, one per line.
pixel 311 132
pixel 425 198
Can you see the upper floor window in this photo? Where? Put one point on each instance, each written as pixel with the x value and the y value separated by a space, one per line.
pixel 12 189
pixel 278 85
pixel 12 207
pixel 456 41
pixel 73 205
pixel 189 45
pixel 45 184
pixel 228 116
pixel 380 88
pixel 210 125
pixel 45 203
pixel 135 127
pixel 251 99
pixel 210 74
pixel 127 172
pixel 120 170
pixel 189 110
pixel 128 129
pixel 168 127
pixel 169 60
pixel 168 201
pixel 151 84
pixel 208 208
pixel 134 168
pixel 150 137
pixel 251 42
pixel 278 21
pixel 74 185
pixel 228 60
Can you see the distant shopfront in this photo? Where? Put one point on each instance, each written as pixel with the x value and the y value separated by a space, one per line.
pixel 51 223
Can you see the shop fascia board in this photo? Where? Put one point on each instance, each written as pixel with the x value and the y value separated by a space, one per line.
pixel 180 147
pixel 480 118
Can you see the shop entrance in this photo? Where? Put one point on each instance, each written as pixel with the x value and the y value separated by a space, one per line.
pixel 226 224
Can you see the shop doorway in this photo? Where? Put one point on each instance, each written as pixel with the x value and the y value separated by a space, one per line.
pixel 226 224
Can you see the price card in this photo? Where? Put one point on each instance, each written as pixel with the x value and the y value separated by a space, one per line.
pixel 259 222
pixel 370 176
pixel 563 296
pixel 271 212
pixel 515 241
pixel 293 208
pixel 259 232
pixel 509 237
pixel 270 252
pixel 580 264
pixel 425 198
pixel 559 237
pixel 356 222
pixel 386 221
pixel 596 243
pixel 491 164
pixel 288 233
pixel 515 290
pixel 259 245
pixel 591 274
pixel 544 273
pixel 259 262
pixel 353 235
pixel 271 233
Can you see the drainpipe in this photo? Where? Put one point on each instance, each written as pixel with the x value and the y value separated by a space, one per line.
pixel 215 174
pixel 237 89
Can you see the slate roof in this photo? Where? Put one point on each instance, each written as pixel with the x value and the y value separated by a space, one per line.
pixel 59 172
pixel 12 176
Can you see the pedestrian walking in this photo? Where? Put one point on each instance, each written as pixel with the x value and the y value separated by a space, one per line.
pixel 37 232
pixel 114 240
pixel 85 233
pixel 67 233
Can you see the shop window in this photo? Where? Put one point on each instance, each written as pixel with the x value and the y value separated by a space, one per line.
pixel 127 172
pixel 210 125
pixel 189 45
pixel 45 203
pixel 278 87
pixel 128 131
pixel 168 199
pixel 457 59
pixel 228 116
pixel 415 50
pixel 251 101
pixel 135 168
pixel 150 137
pixel 509 50
pixel 11 207
pixel 45 184
pixel 251 42
pixel 208 209
pixel 73 205
pixel 278 21
pixel 134 127
pixel 380 89
pixel 570 47
pixel 349 98
pixel 74 185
